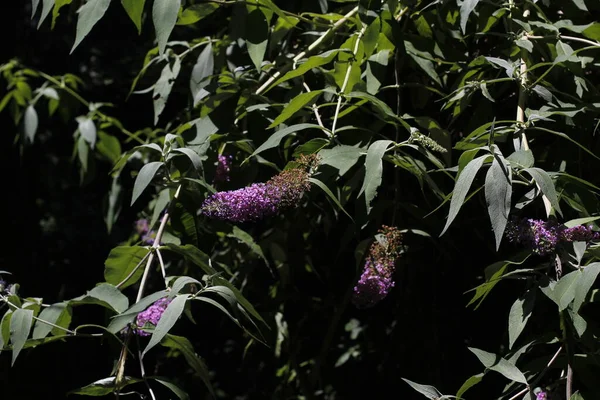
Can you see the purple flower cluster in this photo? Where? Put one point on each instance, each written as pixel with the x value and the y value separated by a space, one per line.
pixel 223 169
pixel 151 315
pixel 543 237
pixel 262 200
pixel 376 280
pixel 541 396
pixel 143 229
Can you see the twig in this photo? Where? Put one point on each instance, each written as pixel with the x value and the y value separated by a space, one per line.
pixel 134 270
pixel 314 107
pixel 569 381
pixel 346 79
pixel 521 143
pixel 313 46
pixel 162 264
pixel 155 245
pixel 522 392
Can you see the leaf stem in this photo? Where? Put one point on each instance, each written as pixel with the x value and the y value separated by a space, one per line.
pixel 540 376
pixel 346 80
pixel 133 271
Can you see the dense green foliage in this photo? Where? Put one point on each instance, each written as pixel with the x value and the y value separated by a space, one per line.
pixel 452 121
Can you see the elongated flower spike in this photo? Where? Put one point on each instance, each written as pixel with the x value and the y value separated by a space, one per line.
pixel 377 279
pixel 151 316
pixel 262 200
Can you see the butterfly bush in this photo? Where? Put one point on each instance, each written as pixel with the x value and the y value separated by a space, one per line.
pixel 223 169
pixel 262 200
pixel 151 316
pixel 376 280
pixel 543 237
pixel 541 396
pixel 143 229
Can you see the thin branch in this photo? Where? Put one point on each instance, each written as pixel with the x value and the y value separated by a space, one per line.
pixel 134 270
pixel 540 376
pixel 346 80
pixel 312 47
pixel 162 264
pixel 314 107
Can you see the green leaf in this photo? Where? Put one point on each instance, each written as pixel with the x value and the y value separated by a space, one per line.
pixel 109 146
pixel 577 396
pixel 46 8
pixel 469 383
pixel 180 283
pixel 521 158
pixel 164 17
pixel 426 390
pixel 461 189
pixel 196 12
pixel 88 130
pixel 580 221
pixel 109 294
pixel 172 387
pixel 56 11
pixel 104 386
pixel 192 155
pixel 30 123
pixel 20 325
pixel 144 178
pixel 162 88
pixel 204 68
pixel 90 13
pixel 564 290
pixel 239 297
pixel 119 322
pixel 498 192
pixel 423 60
pixel 341 157
pixel 121 261
pixel 585 282
pixel 466 8
pixel 499 364
pixel 525 44
pixel 134 9
pixel 546 185
pixel 164 197
pixel 194 255
pixel 373 170
pixel 34 6
pixel 5 329
pixel 257 36
pixel 245 238
pixel 57 314
pixel 371 36
pixel 310 63
pixel 519 314
pixel 330 194
pixel 275 138
pixel 296 104
pixel 185 347
pixel 167 321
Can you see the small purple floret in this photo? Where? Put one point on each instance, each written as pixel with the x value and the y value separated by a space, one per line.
pixel 151 315
pixel 543 237
pixel 541 396
pixel 223 169
pixel 143 229
pixel 376 280
pixel 261 200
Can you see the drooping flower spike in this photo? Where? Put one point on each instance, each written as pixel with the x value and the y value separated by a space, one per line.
pixel 262 200
pixel 377 279
pixel 150 316
pixel 543 237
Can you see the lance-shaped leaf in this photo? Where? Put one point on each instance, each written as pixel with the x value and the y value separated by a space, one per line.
pixel 167 321
pixel 257 35
pixel 461 189
pixel 546 185
pixel 89 14
pixel 20 325
pixel 519 314
pixel 30 123
pixel 499 364
pixel 144 178
pixel 121 262
pixel 185 347
pixel 426 390
pixel 164 17
pixel 134 9
pixel 57 314
pixel 373 170
pixel 585 282
pixel 498 192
